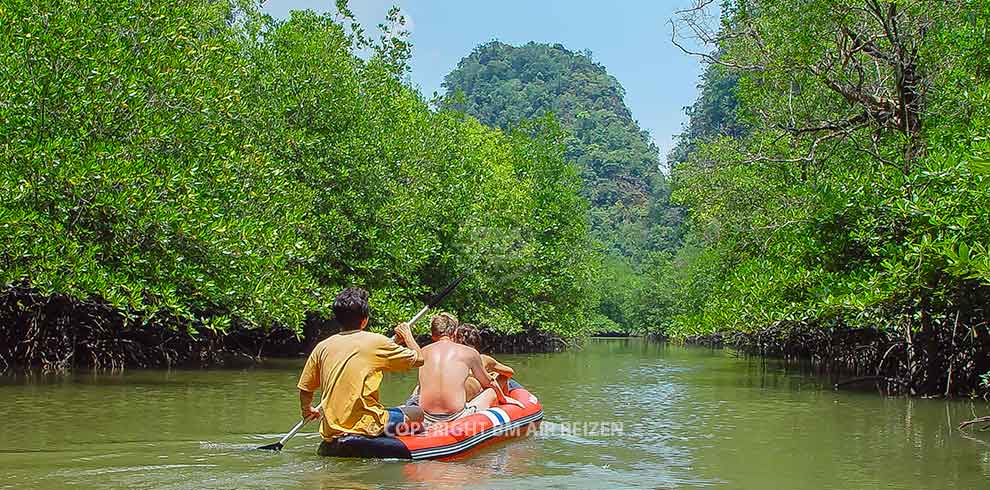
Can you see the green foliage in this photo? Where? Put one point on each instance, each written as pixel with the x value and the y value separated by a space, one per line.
pixel 503 86
pixel 199 160
pixel 712 115
pixel 812 204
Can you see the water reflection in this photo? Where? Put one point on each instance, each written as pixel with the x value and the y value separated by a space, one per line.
pixel 690 418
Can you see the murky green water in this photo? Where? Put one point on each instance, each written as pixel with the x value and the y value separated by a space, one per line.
pixel 691 418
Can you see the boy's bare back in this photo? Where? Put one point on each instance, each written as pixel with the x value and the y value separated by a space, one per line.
pixel 441 378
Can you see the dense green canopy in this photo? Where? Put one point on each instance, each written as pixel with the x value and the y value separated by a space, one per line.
pixel 195 160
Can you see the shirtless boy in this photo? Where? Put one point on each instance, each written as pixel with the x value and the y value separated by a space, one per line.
pixel 445 369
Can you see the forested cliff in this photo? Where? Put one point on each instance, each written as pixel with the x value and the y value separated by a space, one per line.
pixel 503 85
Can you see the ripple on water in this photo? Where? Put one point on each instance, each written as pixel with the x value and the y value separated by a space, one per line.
pixel 690 419
pixel 146 468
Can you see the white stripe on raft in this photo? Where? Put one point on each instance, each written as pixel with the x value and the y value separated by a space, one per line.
pixel 476 439
pixel 467 444
pixel 501 412
pixel 491 416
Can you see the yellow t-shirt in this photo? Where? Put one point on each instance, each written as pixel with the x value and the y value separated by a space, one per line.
pixel 347 368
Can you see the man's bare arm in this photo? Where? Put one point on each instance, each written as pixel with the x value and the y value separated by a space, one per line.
pixel 309 412
pixel 404 336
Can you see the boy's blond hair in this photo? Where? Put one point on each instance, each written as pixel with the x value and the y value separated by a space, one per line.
pixel 443 324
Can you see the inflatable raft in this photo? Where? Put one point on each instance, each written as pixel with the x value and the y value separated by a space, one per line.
pixel 445 440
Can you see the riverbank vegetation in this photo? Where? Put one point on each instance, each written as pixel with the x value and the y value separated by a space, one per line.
pixel 194 181
pixel 178 171
pixel 836 177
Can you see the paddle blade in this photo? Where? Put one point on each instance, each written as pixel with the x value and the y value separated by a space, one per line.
pixel 272 447
pixel 280 444
pixel 446 291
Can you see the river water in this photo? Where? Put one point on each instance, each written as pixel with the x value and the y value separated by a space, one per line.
pixel 620 413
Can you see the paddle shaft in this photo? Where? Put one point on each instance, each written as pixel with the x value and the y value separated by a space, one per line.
pixel 292 432
pixel 419 315
pixel 433 302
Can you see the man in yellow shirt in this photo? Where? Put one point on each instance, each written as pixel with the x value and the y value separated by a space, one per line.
pixel 347 368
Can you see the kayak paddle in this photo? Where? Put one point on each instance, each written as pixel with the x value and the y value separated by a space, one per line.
pixel 433 302
pixel 281 443
pixel 437 299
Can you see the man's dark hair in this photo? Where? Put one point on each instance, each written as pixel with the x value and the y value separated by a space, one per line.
pixel 350 308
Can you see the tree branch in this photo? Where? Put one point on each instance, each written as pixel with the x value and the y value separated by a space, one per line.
pixel 706 56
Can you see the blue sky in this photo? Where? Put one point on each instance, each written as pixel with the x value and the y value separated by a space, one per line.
pixel 630 38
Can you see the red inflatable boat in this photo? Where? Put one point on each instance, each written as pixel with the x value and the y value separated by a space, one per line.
pixel 449 439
